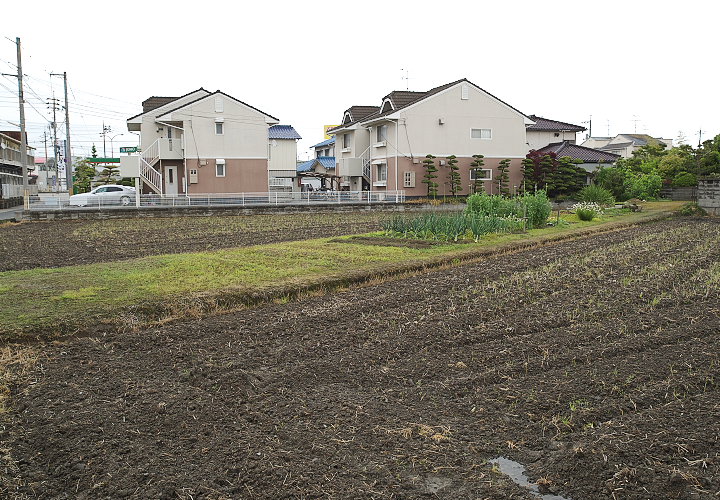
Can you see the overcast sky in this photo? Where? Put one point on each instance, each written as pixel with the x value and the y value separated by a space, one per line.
pixel 645 66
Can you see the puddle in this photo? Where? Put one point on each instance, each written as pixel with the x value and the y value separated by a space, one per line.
pixel 516 472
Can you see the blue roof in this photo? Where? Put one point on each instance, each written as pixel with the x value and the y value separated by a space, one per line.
pixel 328 162
pixel 283 132
pixel 324 143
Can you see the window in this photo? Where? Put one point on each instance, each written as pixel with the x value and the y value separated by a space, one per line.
pixel 193 176
pixel 381 173
pixel 218 128
pixel 480 174
pixel 346 141
pixel 111 189
pixel 381 133
pixel 219 168
pixel 481 133
pixel 409 179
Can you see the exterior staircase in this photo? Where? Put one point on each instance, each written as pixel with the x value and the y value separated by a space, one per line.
pixel 148 173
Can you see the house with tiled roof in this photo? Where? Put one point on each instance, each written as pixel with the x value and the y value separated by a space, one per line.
pixel 319 172
pixel 384 149
pixel 588 159
pixel 210 142
pixel 625 144
pixel 546 131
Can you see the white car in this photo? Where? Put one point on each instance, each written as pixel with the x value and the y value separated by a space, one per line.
pixel 107 195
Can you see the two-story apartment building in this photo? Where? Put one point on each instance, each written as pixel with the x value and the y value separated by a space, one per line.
pixel 11 180
pixel 209 142
pixel 382 148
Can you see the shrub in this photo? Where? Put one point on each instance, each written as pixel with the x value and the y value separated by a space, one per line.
pixel 643 186
pixel 535 207
pixel 450 227
pixel 690 209
pixel 596 194
pixel 587 210
pixel 684 179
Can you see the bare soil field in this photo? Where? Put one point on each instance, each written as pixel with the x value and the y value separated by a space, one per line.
pixel 65 243
pixel 593 363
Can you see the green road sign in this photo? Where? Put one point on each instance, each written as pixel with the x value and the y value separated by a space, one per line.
pixel 129 149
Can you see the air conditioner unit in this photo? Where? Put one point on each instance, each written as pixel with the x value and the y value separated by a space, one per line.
pixel 441 163
pixel 203 163
pixel 416 160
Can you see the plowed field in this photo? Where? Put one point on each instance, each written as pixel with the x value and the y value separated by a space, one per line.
pixel 594 363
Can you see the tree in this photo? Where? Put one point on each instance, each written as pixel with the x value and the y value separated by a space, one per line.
pixel 84 174
pixel 503 178
pixel 567 177
pixel 454 175
pixel 558 176
pixel 93 151
pixel 109 173
pixel 477 164
pixel 430 169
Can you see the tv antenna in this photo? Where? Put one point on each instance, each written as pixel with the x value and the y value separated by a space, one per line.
pixel 406 77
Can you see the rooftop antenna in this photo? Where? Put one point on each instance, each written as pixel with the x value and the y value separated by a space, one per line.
pixel 608 124
pixel 635 120
pixel 406 77
pixel 589 122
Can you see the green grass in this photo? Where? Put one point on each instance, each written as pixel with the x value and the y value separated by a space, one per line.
pixel 41 298
pixel 54 301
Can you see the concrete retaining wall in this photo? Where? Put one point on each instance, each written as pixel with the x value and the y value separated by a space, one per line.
pixel 679 194
pixel 709 195
pixel 204 211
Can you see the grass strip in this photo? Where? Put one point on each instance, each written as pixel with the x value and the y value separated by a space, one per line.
pixel 134 293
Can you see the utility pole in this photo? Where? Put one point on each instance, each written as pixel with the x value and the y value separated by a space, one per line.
pixel 105 132
pixel 23 138
pixel 68 154
pixel 54 103
pixel 700 138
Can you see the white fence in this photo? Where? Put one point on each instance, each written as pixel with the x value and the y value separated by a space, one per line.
pixel 277 198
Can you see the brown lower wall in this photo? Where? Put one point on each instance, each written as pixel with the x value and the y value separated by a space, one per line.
pixel 241 176
pixel 420 189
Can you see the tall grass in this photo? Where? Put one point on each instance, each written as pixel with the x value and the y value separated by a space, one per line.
pixel 450 227
pixel 535 208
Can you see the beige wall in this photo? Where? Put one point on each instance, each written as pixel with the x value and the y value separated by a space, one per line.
pixel 241 176
pixel 421 133
pixel 149 129
pixel 540 139
pixel 245 134
pixel 283 154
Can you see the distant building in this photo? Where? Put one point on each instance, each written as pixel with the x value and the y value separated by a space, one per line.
pixel 545 131
pixel 625 144
pixel 11 180
pixel 320 171
pixel 592 159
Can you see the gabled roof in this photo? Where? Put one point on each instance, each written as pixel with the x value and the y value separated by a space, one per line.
pixel 161 101
pixel 327 142
pixel 545 124
pixel 357 113
pixel 617 145
pixel 212 94
pixel 405 99
pixel 328 162
pixel 587 155
pixel 641 139
pixel 283 132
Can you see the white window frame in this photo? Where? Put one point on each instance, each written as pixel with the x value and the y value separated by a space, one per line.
pixel 474 170
pixel 381 133
pixel 487 132
pixel 409 179
pixel 346 141
pixel 219 162
pixel 382 172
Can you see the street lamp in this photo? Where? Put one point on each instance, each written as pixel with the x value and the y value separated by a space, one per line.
pixel 112 149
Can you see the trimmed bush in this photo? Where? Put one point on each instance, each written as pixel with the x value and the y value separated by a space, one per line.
pixel 596 194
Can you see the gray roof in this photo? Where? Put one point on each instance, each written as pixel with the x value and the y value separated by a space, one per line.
pixel 545 124
pixel 587 155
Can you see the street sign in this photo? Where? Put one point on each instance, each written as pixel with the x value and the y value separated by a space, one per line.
pixel 129 149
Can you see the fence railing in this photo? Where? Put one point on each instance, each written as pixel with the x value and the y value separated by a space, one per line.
pixel 277 198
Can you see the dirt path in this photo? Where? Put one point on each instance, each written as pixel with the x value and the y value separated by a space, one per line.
pixel 592 362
